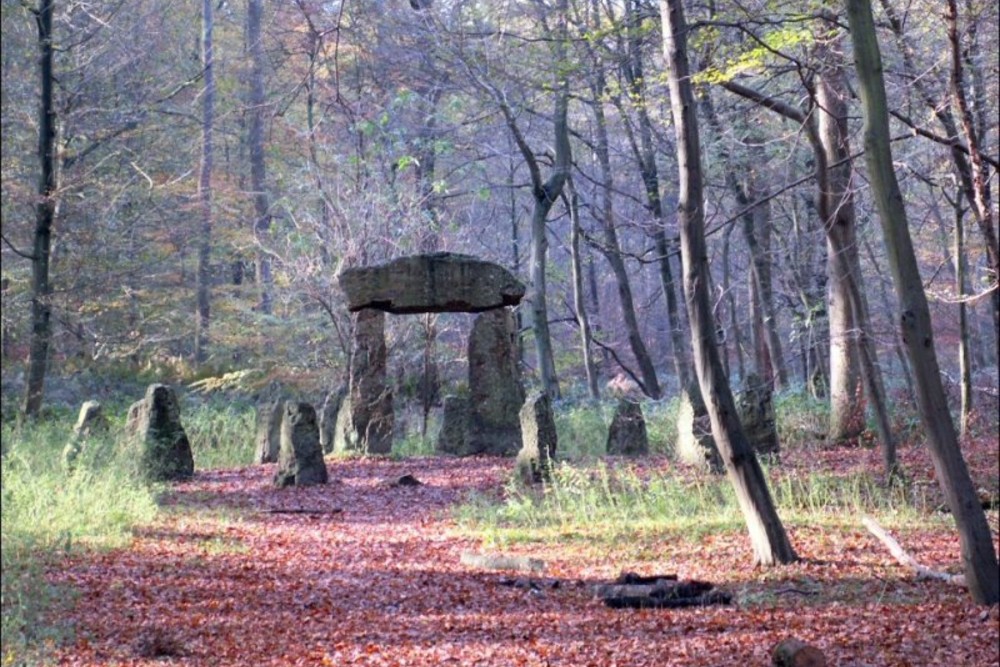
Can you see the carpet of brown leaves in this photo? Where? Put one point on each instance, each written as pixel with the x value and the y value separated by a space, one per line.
pixel 224 582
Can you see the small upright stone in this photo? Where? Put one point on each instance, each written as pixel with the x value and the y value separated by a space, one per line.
pixel 453 437
pixel 154 425
pixel 538 433
pixel 91 422
pixel 755 407
pixel 300 461
pixel 328 418
pixel 627 435
pixel 695 444
pixel 268 431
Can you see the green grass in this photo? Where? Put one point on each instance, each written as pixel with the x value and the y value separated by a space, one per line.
pixel 48 513
pixel 606 506
pixel 222 435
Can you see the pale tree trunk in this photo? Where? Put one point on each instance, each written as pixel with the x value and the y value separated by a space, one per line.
pixel 204 276
pixel 582 320
pixel 258 172
pixel 964 360
pixel 45 213
pixel 767 534
pixel 836 206
pixel 978 555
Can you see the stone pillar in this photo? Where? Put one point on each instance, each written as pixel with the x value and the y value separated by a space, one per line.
pixel 627 434
pixel 454 435
pixel 370 395
pixel 695 444
pixel 268 431
pixel 755 407
pixel 90 423
pixel 300 460
pixel 495 389
pixel 328 418
pixel 154 426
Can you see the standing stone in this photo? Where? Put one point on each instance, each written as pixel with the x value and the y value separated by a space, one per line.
pixel 695 444
pixel 538 432
pixel 328 418
pixel 268 431
pixel 627 434
pixel 370 396
pixel 453 437
pixel 755 407
pixel 496 393
pixel 300 461
pixel 431 283
pixel 91 422
pixel 154 425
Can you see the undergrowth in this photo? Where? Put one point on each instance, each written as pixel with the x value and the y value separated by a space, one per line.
pixel 47 514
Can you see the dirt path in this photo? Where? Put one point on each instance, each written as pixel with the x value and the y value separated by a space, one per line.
pixel 222 582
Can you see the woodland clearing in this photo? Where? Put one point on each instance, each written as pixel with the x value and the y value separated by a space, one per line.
pixel 371 575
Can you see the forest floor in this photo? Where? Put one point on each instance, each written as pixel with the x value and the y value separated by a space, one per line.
pixel 373 576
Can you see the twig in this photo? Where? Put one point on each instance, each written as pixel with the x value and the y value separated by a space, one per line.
pixel 906 559
pixel 299 510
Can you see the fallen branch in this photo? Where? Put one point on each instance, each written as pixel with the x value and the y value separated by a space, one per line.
pixel 501 562
pixel 299 510
pixel 906 559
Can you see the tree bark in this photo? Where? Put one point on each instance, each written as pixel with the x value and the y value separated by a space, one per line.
pixel 836 206
pixel 582 320
pixel 612 248
pixel 767 534
pixel 202 288
pixel 258 172
pixel 964 358
pixel 645 154
pixel 45 213
pixel 978 555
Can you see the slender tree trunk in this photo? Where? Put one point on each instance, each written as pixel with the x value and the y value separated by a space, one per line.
pixel 612 247
pixel 645 153
pixel 978 555
pixel 204 276
pixel 583 321
pixel 45 213
pixel 964 360
pixel 258 172
pixel 767 534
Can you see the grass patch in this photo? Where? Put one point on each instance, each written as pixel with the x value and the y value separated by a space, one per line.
pixel 605 505
pixel 48 513
pixel 221 436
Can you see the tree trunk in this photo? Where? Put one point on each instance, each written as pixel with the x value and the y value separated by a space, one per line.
pixel 978 555
pixel 836 207
pixel 258 173
pixel 583 321
pixel 612 249
pixel 645 154
pixel 45 213
pixel 767 534
pixel 202 288
pixel 964 361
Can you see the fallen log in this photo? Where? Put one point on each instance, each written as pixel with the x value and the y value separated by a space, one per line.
pixel 660 594
pixel 905 559
pixel 502 562
pixel 299 510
